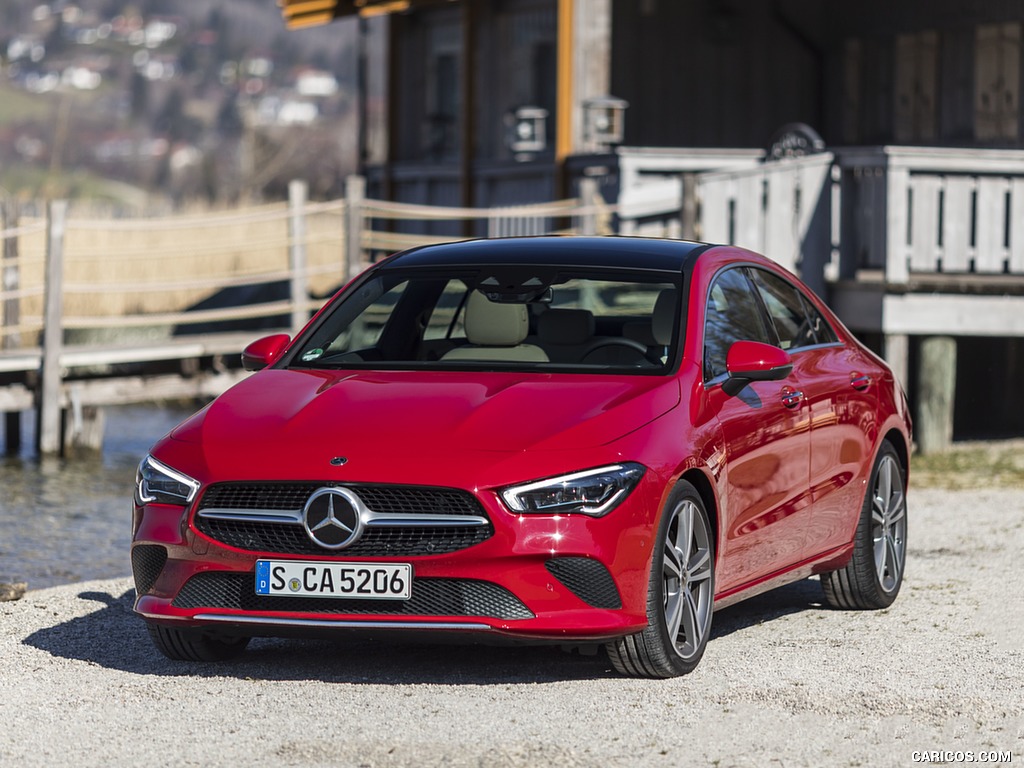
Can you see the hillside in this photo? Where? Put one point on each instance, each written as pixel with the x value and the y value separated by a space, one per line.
pixel 206 100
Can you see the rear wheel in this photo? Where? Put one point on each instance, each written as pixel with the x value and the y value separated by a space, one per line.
pixel 195 645
pixel 680 595
pixel 874 574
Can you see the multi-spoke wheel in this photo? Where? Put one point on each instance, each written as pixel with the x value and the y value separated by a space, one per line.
pixel 680 597
pixel 874 574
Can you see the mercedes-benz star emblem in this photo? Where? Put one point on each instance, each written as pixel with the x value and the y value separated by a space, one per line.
pixel 332 517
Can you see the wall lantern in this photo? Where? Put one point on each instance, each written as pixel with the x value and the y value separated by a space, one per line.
pixel 604 120
pixel 527 130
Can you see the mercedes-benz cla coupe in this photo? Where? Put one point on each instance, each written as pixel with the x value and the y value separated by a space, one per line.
pixel 578 440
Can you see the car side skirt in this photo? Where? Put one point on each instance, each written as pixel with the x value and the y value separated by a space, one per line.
pixel 822 563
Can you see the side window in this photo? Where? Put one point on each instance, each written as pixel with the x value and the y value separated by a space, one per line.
pixel 732 314
pixel 823 332
pixel 786 310
pixel 797 323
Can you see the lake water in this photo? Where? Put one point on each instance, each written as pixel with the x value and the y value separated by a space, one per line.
pixel 68 521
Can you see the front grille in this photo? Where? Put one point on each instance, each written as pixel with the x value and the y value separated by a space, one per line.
pixel 379 498
pixel 376 542
pixel 147 562
pixel 430 597
pixel 588 579
pixel 391 541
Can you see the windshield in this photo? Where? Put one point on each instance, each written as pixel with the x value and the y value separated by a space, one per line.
pixel 520 319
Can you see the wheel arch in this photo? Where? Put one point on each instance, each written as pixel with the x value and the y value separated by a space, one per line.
pixel 899 443
pixel 706 490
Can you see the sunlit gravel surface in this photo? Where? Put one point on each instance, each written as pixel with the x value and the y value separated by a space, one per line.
pixel 785 682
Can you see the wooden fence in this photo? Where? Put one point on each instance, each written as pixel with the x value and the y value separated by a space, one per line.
pixel 85 298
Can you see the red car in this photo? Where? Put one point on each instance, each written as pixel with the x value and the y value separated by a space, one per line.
pixel 581 440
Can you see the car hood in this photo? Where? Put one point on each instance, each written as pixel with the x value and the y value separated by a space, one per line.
pixel 295 415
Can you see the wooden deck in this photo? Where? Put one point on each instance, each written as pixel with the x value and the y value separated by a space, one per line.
pixel 187 368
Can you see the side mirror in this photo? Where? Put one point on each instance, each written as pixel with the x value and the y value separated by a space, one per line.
pixel 265 351
pixel 749 361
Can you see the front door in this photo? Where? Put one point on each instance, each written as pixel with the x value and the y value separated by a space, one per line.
pixel 765 429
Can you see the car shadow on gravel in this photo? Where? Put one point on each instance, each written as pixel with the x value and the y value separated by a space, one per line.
pixel 798 597
pixel 114 638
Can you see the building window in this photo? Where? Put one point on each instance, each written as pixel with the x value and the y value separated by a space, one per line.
pixel 868 90
pixel 997 82
pixel 521 71
pixel 440 140
pixel 917 62
pixel 853 54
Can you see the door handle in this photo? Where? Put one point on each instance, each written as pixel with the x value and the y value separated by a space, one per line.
pixel 791 398
pixel 860 381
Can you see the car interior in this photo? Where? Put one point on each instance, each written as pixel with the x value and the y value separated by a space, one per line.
pixel 576 322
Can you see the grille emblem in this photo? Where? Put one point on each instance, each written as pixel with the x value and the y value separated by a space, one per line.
pixel 333 517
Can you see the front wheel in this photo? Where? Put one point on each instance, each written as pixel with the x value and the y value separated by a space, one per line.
pixel 680 595
pixel 195 645
pixel 874 574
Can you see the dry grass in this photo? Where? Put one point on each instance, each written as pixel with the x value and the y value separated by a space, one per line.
pixel 997 464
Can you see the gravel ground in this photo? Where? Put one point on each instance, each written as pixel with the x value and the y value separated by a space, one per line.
pixel 785 681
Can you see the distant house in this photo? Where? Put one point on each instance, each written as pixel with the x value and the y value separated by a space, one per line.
pixel 280 110
pixel 908 214
pixel 316 82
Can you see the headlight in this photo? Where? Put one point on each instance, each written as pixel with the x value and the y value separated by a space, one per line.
pixel 594 492
pixel 156 482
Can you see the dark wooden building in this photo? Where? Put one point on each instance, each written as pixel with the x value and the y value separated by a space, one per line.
pixel 909 216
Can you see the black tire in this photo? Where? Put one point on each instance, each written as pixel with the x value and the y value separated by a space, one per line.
pixel 872 578
pixel 680 594
pixel 195 645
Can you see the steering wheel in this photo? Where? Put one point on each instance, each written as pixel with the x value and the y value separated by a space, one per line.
pixel 616 341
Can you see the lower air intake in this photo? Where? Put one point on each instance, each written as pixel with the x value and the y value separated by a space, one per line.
pixel 588 579
pixel 147 563
pixel 430 597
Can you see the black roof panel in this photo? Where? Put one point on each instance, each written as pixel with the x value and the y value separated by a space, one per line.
pixel 617 252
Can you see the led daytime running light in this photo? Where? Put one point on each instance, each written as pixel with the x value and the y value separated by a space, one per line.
pixel 156 482
pixel 593 492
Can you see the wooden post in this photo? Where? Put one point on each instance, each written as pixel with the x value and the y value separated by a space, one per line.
pixel 82 428
pixel 688 213
pixel 467 112
pixel 11 313
pixel 896 213
pixel 936 388
pixel 897 354
pixel 297 193
pixel 588 200
pixel 355 194
pixel 48 405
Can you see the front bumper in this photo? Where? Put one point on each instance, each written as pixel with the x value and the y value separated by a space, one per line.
pixel 546 577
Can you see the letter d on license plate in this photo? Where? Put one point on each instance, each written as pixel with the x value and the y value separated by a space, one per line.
pixel 360 581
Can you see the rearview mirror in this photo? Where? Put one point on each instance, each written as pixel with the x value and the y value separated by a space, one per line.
pixel 749 361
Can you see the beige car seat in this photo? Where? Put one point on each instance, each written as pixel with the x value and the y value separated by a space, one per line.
pixel 496 332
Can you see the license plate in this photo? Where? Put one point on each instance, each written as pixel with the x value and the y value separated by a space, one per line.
pixel 361 581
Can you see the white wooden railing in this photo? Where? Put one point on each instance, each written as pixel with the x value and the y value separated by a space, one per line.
pixel 932 211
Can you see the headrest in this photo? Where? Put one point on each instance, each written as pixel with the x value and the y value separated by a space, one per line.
pixel 663 318
pixel 565 326
pixel 495 325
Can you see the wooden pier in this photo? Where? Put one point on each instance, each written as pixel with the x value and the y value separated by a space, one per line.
pixel 69 420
